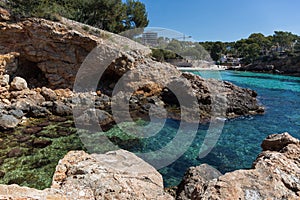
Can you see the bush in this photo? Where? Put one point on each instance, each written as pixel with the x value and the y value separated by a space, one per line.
pixel 86 28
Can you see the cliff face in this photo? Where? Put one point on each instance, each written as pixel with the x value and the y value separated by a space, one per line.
pixel 47 46
pixel 54 48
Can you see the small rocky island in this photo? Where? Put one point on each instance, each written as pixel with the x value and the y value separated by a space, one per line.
pixel 39 61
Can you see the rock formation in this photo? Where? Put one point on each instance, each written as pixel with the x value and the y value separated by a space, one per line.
pixel 275 175
pixel 114 175
pixel 122 175
pixel 38 54
pixel 287 65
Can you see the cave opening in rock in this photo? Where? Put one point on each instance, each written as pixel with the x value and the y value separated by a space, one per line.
pixel 107 82
pixel 31 73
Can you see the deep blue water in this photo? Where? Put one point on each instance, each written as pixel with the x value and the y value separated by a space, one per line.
pixel 239 143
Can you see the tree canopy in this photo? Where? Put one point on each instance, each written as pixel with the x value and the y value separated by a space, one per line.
pixel 256 46
pixel 111 15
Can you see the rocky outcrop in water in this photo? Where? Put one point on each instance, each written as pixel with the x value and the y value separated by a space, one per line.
pixel 114 175
pixel 286 66
pixel 275 175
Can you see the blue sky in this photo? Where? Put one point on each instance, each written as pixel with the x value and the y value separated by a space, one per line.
pixel 224 20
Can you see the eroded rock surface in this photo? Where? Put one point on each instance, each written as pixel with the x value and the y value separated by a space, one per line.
pixel 275 175
pixel 62 56
pixel 56 50
pixel 123 176
pixel 195 181
pixel 114 175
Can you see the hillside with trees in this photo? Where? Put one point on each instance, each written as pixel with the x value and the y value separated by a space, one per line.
pixel 111 15
pixel 278 53
pixel 256 47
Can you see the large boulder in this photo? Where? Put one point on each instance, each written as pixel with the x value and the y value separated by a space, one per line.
pixel 275 175
pixel 114 175
pixel 19 84
pixel 8 121
pixel 195 180
pixel 48 94
pixel 277 142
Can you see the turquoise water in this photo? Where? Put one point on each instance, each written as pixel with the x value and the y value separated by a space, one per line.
pixel 239 143
pixel 237 147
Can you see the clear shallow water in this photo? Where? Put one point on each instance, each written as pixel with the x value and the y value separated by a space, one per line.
pixel 237 147
pixel 239 143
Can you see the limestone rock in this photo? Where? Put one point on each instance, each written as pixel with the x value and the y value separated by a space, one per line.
pixel 58 51
pixel 114 175
pixel 48 94
pixel 23 104
pixel 15 192
pixel 195 180
pixel 17 113
pixel 62 109
pixel 8 121
pixel 275 175
pixel 277 142
pixel 19 84
pixel 5 80
pixel 95 116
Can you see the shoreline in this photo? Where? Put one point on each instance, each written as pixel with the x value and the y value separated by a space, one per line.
pixel 211 68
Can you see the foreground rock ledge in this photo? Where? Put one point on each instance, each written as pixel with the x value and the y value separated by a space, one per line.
pixel 122 175
pixel 275 175
pixel 114 175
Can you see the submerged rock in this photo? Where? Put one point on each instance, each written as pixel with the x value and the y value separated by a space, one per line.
pixel 275 175
pixel 16 152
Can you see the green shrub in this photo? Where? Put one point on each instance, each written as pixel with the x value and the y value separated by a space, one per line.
pixel 86 28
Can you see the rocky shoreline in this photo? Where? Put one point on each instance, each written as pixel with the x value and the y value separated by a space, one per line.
pixel 122 175
pixel 39 65
pixel 284 66
pixel 40 62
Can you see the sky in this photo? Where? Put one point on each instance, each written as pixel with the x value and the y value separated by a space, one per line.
pixel 224 20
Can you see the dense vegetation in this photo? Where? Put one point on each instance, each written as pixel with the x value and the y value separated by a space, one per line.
pixel 256 46
pixel 111 15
